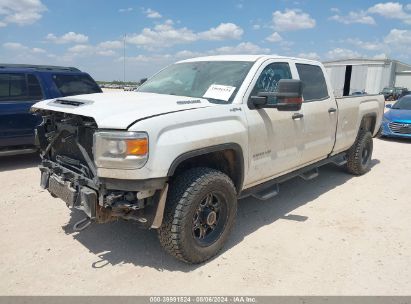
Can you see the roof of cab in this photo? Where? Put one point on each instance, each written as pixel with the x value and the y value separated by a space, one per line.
pixel 45 68
pixel 250 58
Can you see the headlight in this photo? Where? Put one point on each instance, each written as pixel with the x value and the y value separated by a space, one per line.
pixel 120 150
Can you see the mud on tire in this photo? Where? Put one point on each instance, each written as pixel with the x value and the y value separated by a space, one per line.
pixel 200 213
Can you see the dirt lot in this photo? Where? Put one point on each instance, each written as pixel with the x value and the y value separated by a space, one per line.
pixel 335 235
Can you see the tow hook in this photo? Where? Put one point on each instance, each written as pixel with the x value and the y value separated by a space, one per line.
pixel 82 224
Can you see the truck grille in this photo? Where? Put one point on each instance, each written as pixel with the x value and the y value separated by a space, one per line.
pixel 400 128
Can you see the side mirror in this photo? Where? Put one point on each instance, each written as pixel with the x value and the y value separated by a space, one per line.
pixel 289 96
pixel 388 106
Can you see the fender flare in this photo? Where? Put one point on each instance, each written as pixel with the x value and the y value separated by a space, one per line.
pixel 206 150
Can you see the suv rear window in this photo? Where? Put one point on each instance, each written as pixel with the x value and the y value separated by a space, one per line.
pixel 16 87
pixel 69 85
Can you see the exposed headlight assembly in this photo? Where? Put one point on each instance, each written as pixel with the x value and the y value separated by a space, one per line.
pixel 120 150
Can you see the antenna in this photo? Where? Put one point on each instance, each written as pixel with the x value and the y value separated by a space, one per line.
pixel 124 68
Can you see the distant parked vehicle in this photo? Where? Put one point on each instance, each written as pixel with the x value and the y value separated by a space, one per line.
pixel 23 85
pixel 394 93
pixel 397 121
pixel 400 92
pixel 359 93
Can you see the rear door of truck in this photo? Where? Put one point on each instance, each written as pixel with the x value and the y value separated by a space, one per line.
pixel 320 113
pixel 18 92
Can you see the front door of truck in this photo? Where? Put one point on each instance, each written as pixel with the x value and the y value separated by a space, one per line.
pixel 273 134
pixel 319 111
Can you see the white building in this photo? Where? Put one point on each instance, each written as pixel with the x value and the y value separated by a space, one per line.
pixel 369 75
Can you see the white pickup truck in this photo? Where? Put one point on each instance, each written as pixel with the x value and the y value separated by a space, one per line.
pixel 177 154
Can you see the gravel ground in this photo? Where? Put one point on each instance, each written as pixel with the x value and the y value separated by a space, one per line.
pixel 335 235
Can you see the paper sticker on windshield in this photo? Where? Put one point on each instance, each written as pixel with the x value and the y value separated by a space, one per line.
pixel 219 92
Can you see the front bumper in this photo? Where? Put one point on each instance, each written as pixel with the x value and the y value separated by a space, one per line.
pixel 106 200
pixel 388 131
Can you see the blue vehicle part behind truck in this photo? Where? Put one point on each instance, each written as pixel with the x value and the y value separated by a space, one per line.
pixel 23 85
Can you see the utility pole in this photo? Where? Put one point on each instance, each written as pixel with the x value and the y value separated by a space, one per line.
pixel 124 55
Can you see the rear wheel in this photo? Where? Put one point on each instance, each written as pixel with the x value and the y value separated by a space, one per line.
pixel 200 213
pixel 359 155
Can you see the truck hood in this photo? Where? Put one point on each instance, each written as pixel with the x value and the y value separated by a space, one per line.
pixel 120 110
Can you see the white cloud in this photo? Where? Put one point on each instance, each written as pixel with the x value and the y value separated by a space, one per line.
pixel 125 10
pixel 166 35
pixel 398 38
pixel 366 45
pixel 106 53
pixel 20 12
pixel 162 35
pixel 88 50
pixel 292 20
pixel 354 17
pixel 188 54
pixel 340 53
pixel 311 55
pixel 18 47
pixel 38 50
pixel 70 37
pixel 274 37
pixel 242 48
pixel 111 45
pixel 392 10
pixel 152 14
pixel 80 48
pixel 222 32
pixel 380 56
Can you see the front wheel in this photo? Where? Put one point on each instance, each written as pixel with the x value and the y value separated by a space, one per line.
pixel 359 155
pixel 200 213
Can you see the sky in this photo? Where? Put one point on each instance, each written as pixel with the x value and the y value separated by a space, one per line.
pixel 91 34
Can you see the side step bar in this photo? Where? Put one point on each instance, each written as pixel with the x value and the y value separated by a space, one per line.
pixel 271 188
pixel 311 174
pixel 267 193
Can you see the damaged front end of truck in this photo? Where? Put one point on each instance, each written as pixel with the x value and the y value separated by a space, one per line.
pixel 69 172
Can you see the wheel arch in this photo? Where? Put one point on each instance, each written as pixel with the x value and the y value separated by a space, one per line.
pixel 368 123
pixel 227 158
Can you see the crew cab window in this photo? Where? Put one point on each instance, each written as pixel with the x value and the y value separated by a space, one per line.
pixel 72 84
pixel 313 79
pixel 269 78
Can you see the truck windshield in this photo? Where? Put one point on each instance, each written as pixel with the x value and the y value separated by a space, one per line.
pixel 194 79
pixel 75 84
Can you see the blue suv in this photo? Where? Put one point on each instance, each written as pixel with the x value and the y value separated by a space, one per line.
pixel 23 85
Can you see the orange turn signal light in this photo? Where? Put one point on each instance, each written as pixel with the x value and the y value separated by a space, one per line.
pixel 137 147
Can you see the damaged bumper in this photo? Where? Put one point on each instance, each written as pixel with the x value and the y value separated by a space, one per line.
pixel 107 200
pixel 68 172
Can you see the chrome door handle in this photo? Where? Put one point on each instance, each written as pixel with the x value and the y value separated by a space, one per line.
pixel 297 116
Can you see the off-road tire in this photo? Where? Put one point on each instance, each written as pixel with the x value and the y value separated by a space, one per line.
pixel 360 154
pixel 186 193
